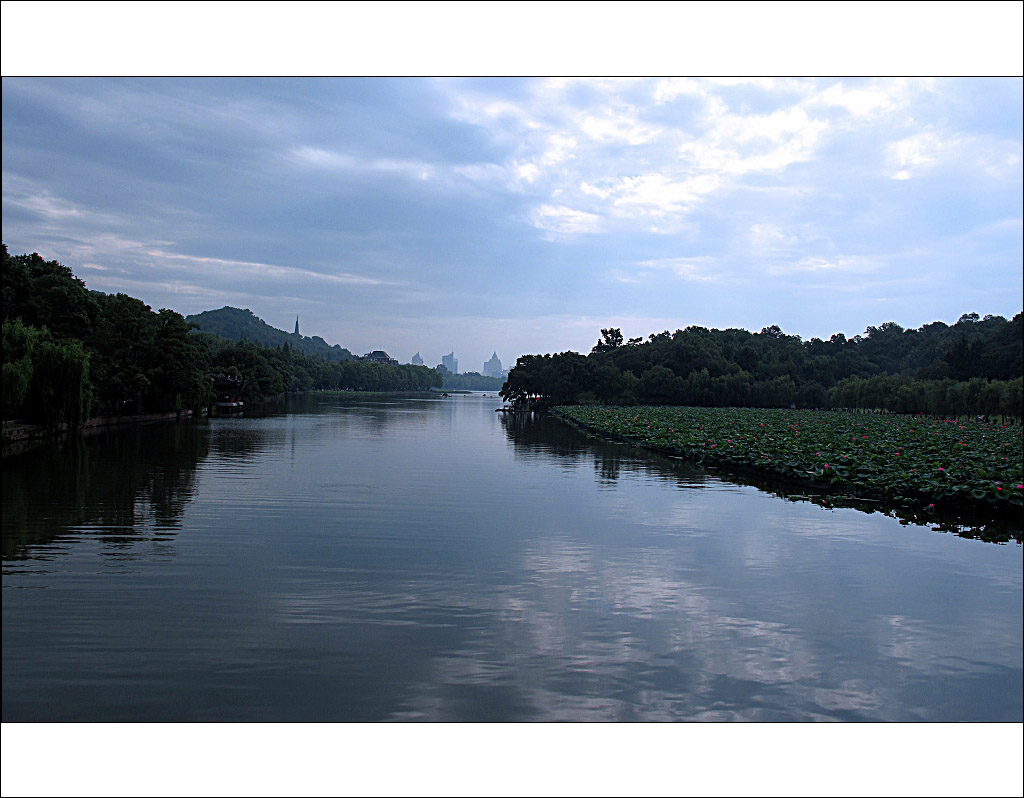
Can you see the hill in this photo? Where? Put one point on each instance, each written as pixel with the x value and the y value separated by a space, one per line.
pixel 234 324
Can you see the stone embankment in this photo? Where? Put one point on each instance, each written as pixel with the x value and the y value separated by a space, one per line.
pixel 17 433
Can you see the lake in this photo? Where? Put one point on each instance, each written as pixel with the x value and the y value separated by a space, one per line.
pixel 369 559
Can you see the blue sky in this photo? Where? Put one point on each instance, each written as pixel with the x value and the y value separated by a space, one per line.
pixel 523 215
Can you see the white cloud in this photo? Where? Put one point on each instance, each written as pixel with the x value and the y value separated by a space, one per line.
pixel 31 196
pixel 528 172
pixel 560 148
pixel 328 159
pixel 698 269
pixel 850 263
pixel 618 128
pixel 865 101
pixel 914 155
pixel 561 219
pixel 741 144
pixel 767 234
pixel 260 270
pixel 659 195
pixel 980 156
pixel 668 89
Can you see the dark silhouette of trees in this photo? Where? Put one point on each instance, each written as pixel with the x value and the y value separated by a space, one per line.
pixel 69 353
pixel 974 366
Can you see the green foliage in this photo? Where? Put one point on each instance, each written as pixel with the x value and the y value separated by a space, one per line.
pixel 18 343
pixel 67 351
pixel 44 379
pixel 470 381
pixel 60 391
pixel 904 459
pixel 44 293
pixel 967 368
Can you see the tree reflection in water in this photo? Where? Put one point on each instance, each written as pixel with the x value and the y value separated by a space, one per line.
pixel 540 432
pixel 121 487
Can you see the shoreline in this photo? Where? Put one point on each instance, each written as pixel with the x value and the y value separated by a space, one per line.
pixel 19 436
pixel 964 518
pixel 16 431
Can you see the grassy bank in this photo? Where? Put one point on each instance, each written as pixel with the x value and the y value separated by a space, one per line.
pixel 909 460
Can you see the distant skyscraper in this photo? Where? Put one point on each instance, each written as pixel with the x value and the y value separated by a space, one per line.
pixel 417 360
pixel 450 363
pixel 492 368
pixel 296 324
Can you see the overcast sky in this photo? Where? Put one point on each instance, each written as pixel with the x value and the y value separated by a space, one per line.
pixel 523 215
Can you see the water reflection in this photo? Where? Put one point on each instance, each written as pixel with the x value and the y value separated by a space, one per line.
pixel 370 413
pixel 435 560
pixel 966 524
pixel 540 433
pixel 120 487
pixel 592 634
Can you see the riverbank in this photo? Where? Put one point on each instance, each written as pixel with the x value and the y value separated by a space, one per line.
pixel 372 394
pixel 923 465
pixel 18 436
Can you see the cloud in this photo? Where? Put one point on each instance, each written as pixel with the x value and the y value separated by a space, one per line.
pixel 851 263
pixel 254 270
pixel 327 159
pixel 669 89
pixel 36 199
pixel 874 99
pixel 658 195
pixel 640 163
pixel 699 269
pixel 622 127
pixel 562 219
pixel 742 144
pixel 916 154
pixel 981 156
pixel 767 235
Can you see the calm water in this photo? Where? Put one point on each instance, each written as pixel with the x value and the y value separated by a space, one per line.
pixel 432 560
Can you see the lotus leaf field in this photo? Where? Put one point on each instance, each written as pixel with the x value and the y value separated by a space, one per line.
pixel 909 460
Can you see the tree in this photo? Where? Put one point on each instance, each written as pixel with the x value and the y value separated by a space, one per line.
pixel 611 338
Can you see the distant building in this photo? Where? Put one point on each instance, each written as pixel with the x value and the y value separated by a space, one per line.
pixel 379 356
pixel 450 363
pixel 296 324
pixel 417 360
pixel 492 368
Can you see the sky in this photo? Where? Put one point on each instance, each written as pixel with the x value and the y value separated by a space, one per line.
pixel 522 215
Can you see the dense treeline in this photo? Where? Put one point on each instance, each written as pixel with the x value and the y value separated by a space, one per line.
pixel 974 366
pixel 470 381
pixel 69 353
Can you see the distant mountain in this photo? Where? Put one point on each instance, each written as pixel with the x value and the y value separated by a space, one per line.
pixel 235 324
